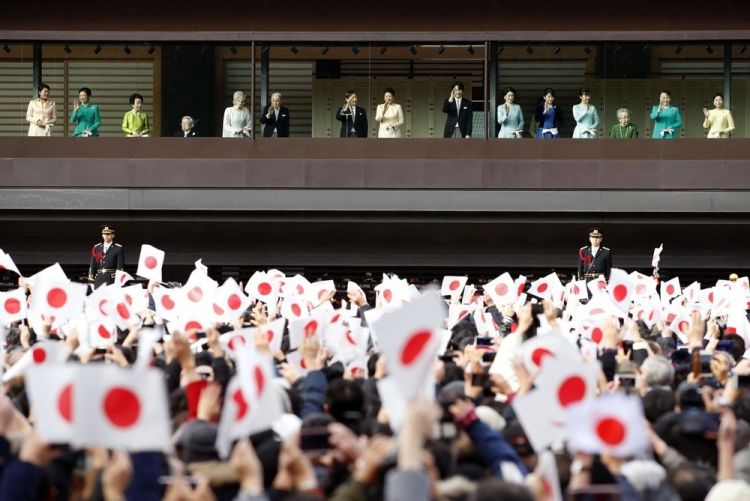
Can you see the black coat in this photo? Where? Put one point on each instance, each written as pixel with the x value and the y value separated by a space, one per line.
pixel 360 123
pixel 600 265
pixel 113 260
pixel 269 124
pixel 464 117
pixel 181 133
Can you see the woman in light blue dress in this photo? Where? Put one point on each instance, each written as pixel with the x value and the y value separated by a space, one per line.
pixel 586 116
pixel 510 116
pixel 667 118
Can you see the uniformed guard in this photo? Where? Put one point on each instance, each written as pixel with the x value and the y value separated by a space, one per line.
pixel 106 258
pixel 594 259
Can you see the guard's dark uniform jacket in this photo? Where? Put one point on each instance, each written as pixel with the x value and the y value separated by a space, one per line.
pixel 103 266
pixel 590 267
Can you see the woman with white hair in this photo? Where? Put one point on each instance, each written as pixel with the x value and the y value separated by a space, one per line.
pixel 237 118
pixel 623 129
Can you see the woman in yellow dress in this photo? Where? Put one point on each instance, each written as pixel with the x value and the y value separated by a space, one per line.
pixel 718 121
pixel 41 113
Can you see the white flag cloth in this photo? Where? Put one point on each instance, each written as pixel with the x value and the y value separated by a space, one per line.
pixel 620 289
pixel 457 312
pixel 545 347
pixel 50 391
pixel 409 339
pixel 12 306
pixel 611 424
pixel 252 402
pixel 6 263
pixel 102 333
pixel 547 467
pixel 147 338
pixel 319 290
pixel 294 308
pixel 229 302
pixel 120 408
pixel 261 287
pixel 547 287
pixel 657 256
pixel 166 302
pixel 52 272
pixel 150 263
pixel 669 290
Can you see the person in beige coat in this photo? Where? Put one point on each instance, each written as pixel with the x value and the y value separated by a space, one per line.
pixel 389 115
pixel 719 120
pixel 41 113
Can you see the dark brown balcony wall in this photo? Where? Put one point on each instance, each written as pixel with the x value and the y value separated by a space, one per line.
pixel 198 19
pixel 372 164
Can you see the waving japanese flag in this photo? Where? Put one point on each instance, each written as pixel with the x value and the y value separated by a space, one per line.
pixel 251 403
pixel 50 391
pixel 294 308
pixel 552 346
pixel 229 302
pixel 453 286
pixel 167 302
pixel 102 333
pixel 120 408
pixel 42 353
pixel 12 306
pixel 670 290
pixel 620 289
pixel 273 332
pixel 611 424
pixel 150 262
pixel 121 278
pixel 409 339
pixel 57 300
pixel 261 287
pixel 546 287
pixel 198 290
pixel 502 290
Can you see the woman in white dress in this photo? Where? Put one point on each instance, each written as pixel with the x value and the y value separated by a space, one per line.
pixel 510 116
pixel 237 118
pixel 41 113
pixel 389 115
pixel 586 116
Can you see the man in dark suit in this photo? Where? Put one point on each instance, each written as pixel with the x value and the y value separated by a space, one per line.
pixel 275 118
pixel 353 118
pixel 106 258
pixel 459 119
pixel 594 259
pixel 187 128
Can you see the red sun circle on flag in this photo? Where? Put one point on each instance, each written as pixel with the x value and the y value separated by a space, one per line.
pixel 683 326
pixel 711 297
pixel 123 311
pixel 128 299
pixel 235 342
pixel 217 309
pixel 150 262
pixel 264 288
pixel 103 332
pixel 65 403
pixel 542 287
pixel 167 302
pixel 611 431
pixel 620 292
pixel 321 293
pixel 415 346
pixel 269 335
pixel 575 290
pixel 234 302
pixel 455 284
pixel 462 314
pixel 670 289
pixel 193 325
pixel 195 294
pixel 602 285
pixel 539 354
pixel 596 311
pixel 387 295
pixel 350 339
pixel 671 317
pixel 39 355
pixel 296 310
pixel 122 407
pixel 260 380
pixel 597 334
pixel 310 328
pixel 12 305
pixel 102 303
pixel 640 289
pixel 572 390
pixel 501 289
pixel 300 289
pixel 56 297
pixel 335 318
pixel 239 401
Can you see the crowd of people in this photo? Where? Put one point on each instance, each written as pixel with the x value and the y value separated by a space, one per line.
pixel 279 388
pixel 275 118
